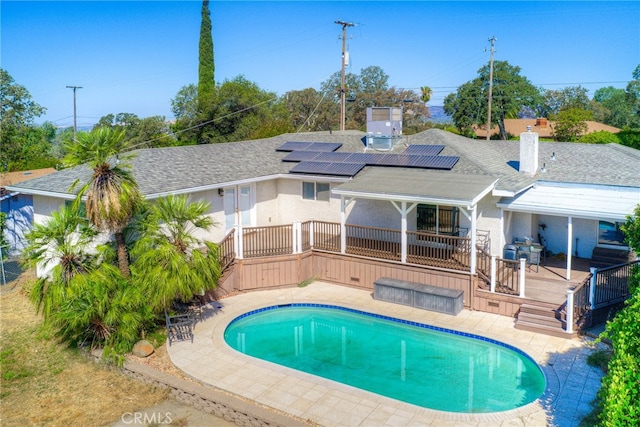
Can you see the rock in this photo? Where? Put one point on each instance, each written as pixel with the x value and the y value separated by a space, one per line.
pixel 142 348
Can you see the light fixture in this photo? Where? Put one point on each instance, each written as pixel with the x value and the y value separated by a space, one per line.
pixel 220 192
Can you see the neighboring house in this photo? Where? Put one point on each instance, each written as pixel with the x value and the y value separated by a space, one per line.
pixel 18 206
pixel 506 189
pixel 542 126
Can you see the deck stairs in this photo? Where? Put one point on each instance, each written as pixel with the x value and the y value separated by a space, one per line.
pixel 543 318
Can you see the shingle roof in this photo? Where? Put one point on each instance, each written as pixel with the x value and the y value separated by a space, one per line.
pixel 182 169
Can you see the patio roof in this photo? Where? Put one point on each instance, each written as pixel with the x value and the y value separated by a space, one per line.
pixel 418 185
pixel 589 202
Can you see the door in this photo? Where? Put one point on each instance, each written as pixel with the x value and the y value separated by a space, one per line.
pixel 238 206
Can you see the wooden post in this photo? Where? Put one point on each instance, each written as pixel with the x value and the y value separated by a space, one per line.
pixel 570 311
pixel 523 262
pixel 592 287
pixel 493 273
pixel 239 242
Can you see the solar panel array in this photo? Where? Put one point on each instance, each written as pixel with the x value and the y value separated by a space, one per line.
pixel 321 158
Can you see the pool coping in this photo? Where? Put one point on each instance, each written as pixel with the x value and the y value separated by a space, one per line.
pixel 211 361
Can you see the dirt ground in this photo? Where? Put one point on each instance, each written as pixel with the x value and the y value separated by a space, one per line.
pixel 44 384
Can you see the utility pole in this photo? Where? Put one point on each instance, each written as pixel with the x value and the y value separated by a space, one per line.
pixel 75 123
pixel 493 43
pixel 342 88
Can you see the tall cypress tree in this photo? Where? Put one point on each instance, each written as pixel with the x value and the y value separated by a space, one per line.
pixel 206 68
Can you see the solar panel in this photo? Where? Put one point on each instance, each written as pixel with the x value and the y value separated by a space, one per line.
pixel 309 167
pixel 299 156
pixel 424 150
pixel 436 162
pixel 293 146
pixel 343 169
pixel 326 168
pixel 366 158
pixel 324 146
pixel 309 146
pixel 332 157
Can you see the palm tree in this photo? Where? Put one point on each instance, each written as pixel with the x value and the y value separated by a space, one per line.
pixel 103 311
pixel 111 192
pixel 169 261
pixel 425 93
pixel 61 245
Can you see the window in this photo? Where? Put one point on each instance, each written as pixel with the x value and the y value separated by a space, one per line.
pixel 609 233
pixel 316 191
pixel 438 219
pixel 82 211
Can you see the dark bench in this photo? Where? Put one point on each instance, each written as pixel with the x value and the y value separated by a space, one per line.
pixel 179 326
pixel 419 295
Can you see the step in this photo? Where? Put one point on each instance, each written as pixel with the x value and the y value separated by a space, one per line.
pixel 540 320
pixel 548 311
pixel 547 330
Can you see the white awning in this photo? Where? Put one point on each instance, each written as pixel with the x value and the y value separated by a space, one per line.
pixel 578 201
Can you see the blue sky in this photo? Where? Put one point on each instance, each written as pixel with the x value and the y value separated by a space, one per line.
pixel 134 56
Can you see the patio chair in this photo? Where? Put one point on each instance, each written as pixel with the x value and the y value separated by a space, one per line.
pixel 179 326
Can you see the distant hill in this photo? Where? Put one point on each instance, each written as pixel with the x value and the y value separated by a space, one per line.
pixel 438 115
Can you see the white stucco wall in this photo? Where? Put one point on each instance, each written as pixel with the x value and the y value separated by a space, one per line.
pixel 43 206
pixel 292 207
pixel 378 213
pixel 488 215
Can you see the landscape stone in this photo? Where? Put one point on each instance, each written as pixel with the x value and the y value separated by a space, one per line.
pixel 142 348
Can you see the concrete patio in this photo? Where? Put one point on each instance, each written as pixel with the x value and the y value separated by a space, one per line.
pixel 571 383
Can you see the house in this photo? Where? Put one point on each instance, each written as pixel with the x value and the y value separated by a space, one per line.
pixel 18 206
pixel 542 126
pixel 424 198
pixel 490 187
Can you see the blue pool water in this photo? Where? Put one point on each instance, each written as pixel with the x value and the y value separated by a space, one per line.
pixel 427 366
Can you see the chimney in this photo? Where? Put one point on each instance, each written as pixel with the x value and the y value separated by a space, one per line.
pixel 529 152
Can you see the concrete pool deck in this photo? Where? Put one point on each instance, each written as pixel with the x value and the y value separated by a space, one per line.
pixel 571 383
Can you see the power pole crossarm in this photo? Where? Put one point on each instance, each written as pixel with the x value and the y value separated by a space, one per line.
pixel 342 88
pixel 75 122
pixel 493 44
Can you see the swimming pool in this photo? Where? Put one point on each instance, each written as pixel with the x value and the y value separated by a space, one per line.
pixel 416 363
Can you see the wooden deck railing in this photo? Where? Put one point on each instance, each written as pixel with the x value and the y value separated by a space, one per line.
pixel 612 284
pixel 507 276
pixel 375 242
pixel 442 251
pixel 226 251
pixel 439 250
pixel 483 266
pixel 581 305
pixel 269 240
pixel 326 236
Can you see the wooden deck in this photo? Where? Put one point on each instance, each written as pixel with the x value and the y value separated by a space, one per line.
pixel 549 283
